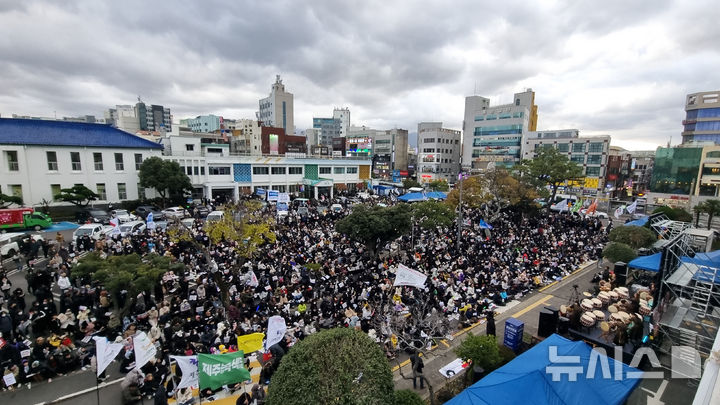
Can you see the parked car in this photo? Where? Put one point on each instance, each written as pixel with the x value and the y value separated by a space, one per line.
pixel 160 225
pixel 132 227
pixel 94 231
pixel 123 216
pixel 303 211
pixel 215 216
pixel 143 210
pixel 175 212
pixel 336 208
pixel 11 243
pixel 94 215
pixel 189 222
pixel 202 211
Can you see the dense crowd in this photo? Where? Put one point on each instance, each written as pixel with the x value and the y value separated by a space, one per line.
pixel 313 276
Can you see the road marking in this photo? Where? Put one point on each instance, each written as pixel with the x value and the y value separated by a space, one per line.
pixel 445 343
pixel 76 394
pixel 531 307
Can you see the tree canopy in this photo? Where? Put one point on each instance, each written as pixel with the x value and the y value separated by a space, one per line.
pixel 482 350
pixel 431 214
pixel 8 200
pixel 408 183
pixel 164 176
pixel 439 185
pixel 619 252
pixel 78 195
pixel 335 366
pixel 549 168
pixel 711 208
pixel 375 226
pixel 675 214
pixel 634 236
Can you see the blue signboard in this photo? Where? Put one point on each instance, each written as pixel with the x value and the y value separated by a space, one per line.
pixel 272 195
pixel 513 333
pixel 260 192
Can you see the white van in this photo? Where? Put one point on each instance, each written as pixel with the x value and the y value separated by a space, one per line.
pixel 215 216
pixel 94 231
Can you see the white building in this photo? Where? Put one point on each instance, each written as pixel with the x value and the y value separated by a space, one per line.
pixel 342 115
pixel 277 109
pixel 438 153
pixel 41 157
pixel 495 134
pixel 589 152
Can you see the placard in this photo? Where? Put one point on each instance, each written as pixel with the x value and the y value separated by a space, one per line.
pixel 9 379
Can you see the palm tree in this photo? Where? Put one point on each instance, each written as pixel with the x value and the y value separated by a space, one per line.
pixel 699 209
pixel 712 208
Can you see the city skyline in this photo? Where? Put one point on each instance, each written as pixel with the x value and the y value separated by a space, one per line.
pixel 622 70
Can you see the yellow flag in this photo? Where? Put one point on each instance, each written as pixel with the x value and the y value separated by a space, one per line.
pixel 250 343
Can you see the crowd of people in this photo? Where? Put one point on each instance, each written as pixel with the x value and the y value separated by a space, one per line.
pixel 312 276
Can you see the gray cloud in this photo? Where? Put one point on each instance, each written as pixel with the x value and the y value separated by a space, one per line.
pixel 393 64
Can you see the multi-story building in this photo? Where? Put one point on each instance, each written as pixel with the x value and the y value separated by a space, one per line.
pixel 154 118
pixel 203 123
pixel 246 137
pixel 702 117
pixel 39 158
pixel 359 142
pixel 641 168
pixel 438 152
pixel 496 133
pixel 412 161
pixel 617 174
pixel 276 110
pixel 342 115
pixel 390 151
pixel 327 129
pixel 589 152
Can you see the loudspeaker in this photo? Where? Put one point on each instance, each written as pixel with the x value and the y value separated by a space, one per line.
pixel 547 323
pixel 563 325
pixel 620 273
pixel 555 312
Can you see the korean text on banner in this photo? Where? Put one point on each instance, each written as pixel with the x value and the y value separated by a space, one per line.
pixel 250 343
pixel 189 368
pixel 216 370
pixel 407 276
pixel 144 349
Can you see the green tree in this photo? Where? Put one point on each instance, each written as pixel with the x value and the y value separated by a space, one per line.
pixel 78 195
pixel 482 350
pixel 165 176
pixel 619 252
pixel 439 185
pixel 698 209
pixel 375 226
pixel 336 366
pixel 674 214
pixel 431 214
pixel 549 168
pixel 634 236
pixel 407 397
pixel 409 183
pixel 712 208
pixel 8 200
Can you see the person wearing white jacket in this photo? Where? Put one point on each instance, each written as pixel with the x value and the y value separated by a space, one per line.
pixel 64 282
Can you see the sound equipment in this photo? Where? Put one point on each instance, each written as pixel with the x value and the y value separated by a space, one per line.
pixel 563 325
pixel 547 323
pixel 620 273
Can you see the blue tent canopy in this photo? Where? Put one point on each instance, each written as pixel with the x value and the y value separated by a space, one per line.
pixel 649 263
pixel 639 222
pixel 528 379
pixel 413 197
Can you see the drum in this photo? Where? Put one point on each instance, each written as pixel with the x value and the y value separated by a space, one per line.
pixel 622 292
pixel 612 308
pixel 587 319
pixel 563 310
pixel 586 305
pixel 604 326
pixel 587 294
pixel 625 317
pixel 599 315
pixel 616 317
pixel 645 310
pixel 597 304
pixel 613 296
pixel 604 297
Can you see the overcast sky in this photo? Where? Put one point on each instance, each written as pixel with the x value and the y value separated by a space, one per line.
pixel 614 67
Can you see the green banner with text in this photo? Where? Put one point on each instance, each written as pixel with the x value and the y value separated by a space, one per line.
pixel 217 370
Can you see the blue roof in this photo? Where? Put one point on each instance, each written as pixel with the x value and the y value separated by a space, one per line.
pixel 639 222
pixel 413 197
pixel 649 263
pixel 529 378
pixel 15 131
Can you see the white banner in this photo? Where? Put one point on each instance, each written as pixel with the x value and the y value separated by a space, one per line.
pixel 252 280
pixel 619 211
pixel 284 198
pixel 632 207
pixel 105 352
pixel 144 349
pixel 189 367
pixel 453 368
pixel 407 276
pixel 275 331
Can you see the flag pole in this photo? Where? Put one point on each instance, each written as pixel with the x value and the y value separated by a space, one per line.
pixel 97 388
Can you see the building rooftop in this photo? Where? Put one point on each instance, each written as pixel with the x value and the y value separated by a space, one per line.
pixel 63 133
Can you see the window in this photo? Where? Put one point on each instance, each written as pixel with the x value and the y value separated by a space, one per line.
pixel 324 170
pixel 429 140
pixel 97 158
pixel 16 190
pixel 339 170
pixel 189 147
pixel 188 170
pixel 351 170
pixel 196 170
pixel 122 191
pixel 217 170
pixel 595 147
pixel 75 160
pixel 277 170
pixel 54 190
pixel 594 159
pixel 295 170
pixel 138 161
pixel 578 147
pixel 12 159
pixel 563 147
pixel 261 170
pixel 119 164
pixel 294 188
pixel 578 158
pixel 429 150
pixel 52 161
pixel 592 172
pixel 141 191
pixel 202 170
pixel 101 191
pixel 214 150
